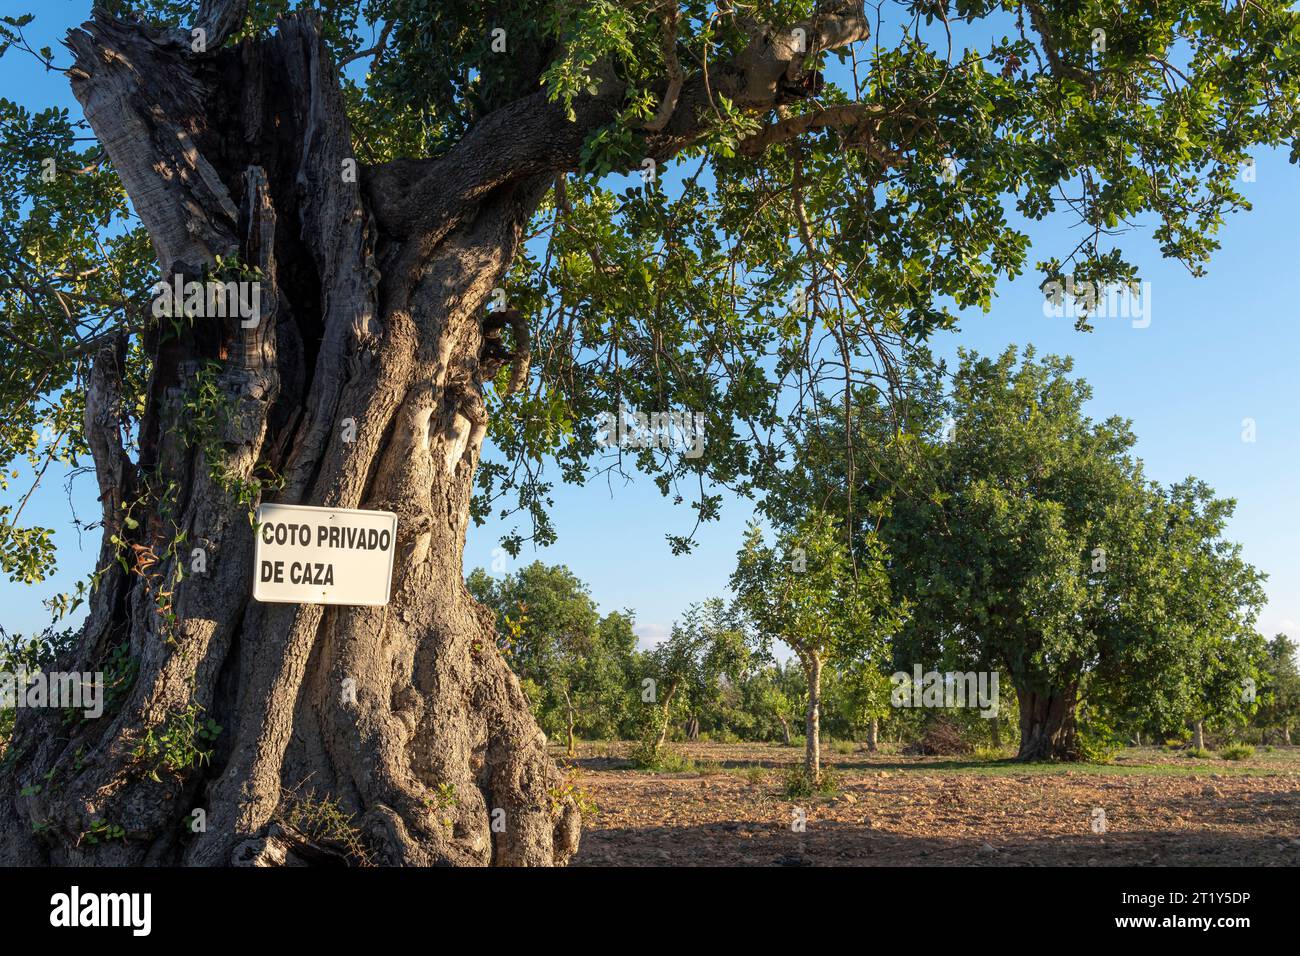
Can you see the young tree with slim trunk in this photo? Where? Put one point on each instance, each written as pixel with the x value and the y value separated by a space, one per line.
pixel 770 695
pixel 703 648
pixel 378 215
pixel 806 593
pixel 864 693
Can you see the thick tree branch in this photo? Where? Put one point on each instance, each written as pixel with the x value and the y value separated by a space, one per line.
pixel 427 198
pixel 856 117
pixel 676 75
pixel 1060 68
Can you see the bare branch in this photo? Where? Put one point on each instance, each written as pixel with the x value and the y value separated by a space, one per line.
pixel 850 116
pixel 1060 68
pixel 376 51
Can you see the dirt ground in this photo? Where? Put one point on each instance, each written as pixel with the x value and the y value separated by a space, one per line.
pixel 1160 808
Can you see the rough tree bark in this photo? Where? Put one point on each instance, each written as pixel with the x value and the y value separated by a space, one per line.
pixel 812 759
pixel 873 735
pixel 245 155
pixel 360 386
pixel 1048 727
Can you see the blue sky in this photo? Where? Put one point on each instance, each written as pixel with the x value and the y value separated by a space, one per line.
pixel 1218 350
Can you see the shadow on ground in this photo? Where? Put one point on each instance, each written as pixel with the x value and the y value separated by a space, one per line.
pixel 745 843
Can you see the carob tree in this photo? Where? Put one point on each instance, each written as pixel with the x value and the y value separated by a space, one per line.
pixel 383 218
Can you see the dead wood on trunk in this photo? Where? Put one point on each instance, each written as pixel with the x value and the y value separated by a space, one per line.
pixel 360 386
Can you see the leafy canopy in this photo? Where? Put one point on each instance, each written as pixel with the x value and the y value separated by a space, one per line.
pixel 806 592
pixel 776 260
pixel 1026 537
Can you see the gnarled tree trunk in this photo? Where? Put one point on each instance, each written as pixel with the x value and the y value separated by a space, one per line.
pixel 360 386
pixel 1048 727
pixel 692 728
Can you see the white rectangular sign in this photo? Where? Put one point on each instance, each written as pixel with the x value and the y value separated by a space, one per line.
pixel 309 555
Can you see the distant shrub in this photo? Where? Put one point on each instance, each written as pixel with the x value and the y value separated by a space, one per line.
pixel 990 753
pixel 1098 741
pixel 665 759
pixel 844 746
pixel 1200 753
pixel 942 738
pixel 1237 752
